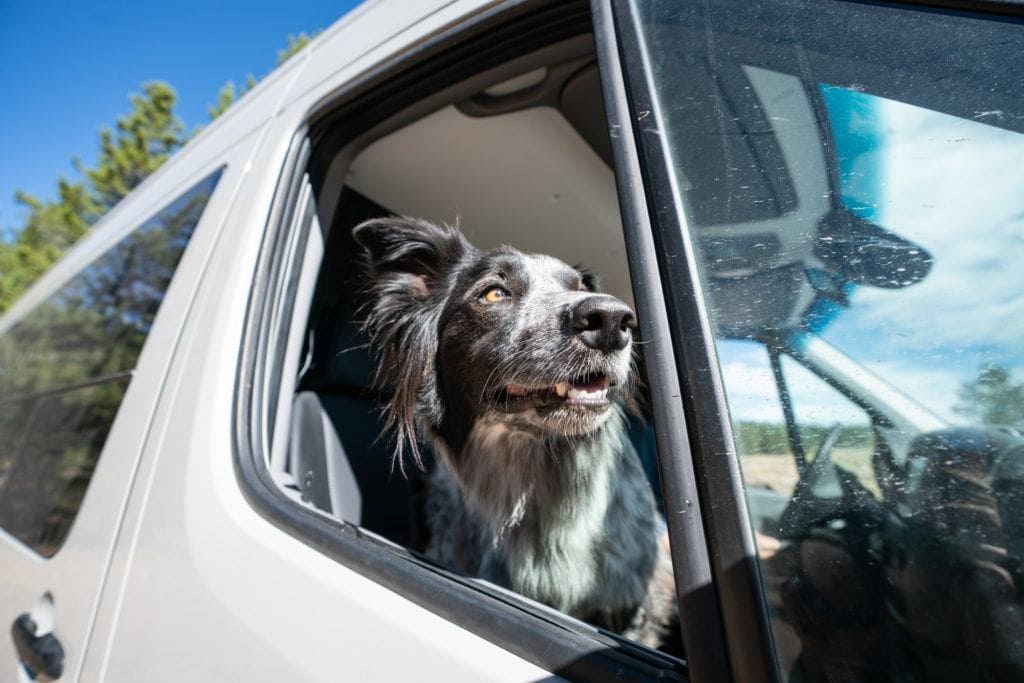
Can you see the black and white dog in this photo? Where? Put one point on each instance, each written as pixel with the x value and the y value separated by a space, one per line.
pixel 515 370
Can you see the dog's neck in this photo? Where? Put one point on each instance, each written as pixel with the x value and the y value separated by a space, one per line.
pixel 550 504
pixel 526 484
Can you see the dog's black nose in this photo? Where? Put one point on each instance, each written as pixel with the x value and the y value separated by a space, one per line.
pixel 603 322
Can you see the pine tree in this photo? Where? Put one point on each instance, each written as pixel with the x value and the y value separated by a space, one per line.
pixel 51 228
pixel 993 398
pixel 141 141
pixel 138 144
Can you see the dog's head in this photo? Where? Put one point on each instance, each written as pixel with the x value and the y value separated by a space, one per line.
pixel 465 335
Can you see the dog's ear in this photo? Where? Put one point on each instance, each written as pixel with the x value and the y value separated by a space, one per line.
pixel 410 263
pixel 410 252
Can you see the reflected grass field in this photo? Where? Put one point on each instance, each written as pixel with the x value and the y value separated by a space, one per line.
pixel 778 472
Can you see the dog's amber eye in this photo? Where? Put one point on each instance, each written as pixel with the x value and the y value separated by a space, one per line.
pixel 495 294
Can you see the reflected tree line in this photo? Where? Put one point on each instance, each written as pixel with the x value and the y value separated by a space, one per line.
pixel 65 366
pixel 992 398
pixel 771 438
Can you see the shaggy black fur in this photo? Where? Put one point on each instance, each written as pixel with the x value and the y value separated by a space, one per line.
pixel 515 370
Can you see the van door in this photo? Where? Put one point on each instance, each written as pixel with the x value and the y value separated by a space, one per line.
pixel 82 359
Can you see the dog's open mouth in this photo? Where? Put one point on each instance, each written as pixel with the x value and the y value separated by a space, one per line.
pixel 590 391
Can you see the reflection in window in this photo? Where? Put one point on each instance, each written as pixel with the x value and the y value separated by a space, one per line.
pixel 759 424
pixel 954 186
pixel 65 366
pixel 852 177
pixel 55 456
pixel 829 424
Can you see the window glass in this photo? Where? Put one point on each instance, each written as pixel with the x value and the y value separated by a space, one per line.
pixel 758 420
pixel 768 456
pixel 65 366
pixel 852 178
pixel 952 185
pixel 829 424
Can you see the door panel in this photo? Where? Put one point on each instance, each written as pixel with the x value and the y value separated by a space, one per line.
pixel 83 368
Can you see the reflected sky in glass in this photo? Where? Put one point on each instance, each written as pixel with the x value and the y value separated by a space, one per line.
pixel 956 187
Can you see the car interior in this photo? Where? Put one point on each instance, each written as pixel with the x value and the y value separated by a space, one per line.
pixel 518 155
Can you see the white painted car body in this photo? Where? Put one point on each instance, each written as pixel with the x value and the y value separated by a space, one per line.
pixel 177 568
pixel 168 573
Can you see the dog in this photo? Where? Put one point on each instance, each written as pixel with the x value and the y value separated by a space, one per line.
pixel 516 370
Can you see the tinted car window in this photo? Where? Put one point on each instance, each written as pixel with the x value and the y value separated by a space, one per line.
pixel 851 174
pixel 65 366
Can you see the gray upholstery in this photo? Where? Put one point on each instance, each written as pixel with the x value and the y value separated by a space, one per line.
pixel 337 455
pixel 343 465
pixel 320 465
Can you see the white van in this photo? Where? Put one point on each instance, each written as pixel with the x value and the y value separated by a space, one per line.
pixel 816 210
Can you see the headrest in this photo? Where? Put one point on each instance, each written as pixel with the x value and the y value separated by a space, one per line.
pixel 340 359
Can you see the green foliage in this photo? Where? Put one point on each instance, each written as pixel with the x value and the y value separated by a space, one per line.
pixel 228 95
pixel 852 436
pixel 761 438
pixel 295 44
pixel 51 228
pixel 993 398
pixel 142 141
pixel 138 144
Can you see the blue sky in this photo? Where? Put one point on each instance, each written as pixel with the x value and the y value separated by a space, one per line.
pixel 67 68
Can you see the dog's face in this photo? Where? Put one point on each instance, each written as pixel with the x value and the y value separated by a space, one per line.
pixel 466 335
pixel 525 340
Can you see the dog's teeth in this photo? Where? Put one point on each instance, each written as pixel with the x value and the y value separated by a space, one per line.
pixel 561 389
pixel 584 395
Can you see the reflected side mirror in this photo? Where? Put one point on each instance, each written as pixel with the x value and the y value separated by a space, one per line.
pixel 864 253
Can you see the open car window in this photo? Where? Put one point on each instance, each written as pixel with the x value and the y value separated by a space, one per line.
pixel 513 156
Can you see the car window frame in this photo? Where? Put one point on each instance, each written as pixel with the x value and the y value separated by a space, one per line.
pixel 210 182
pixel 735 572
pixel 545 637
pixel 699 608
